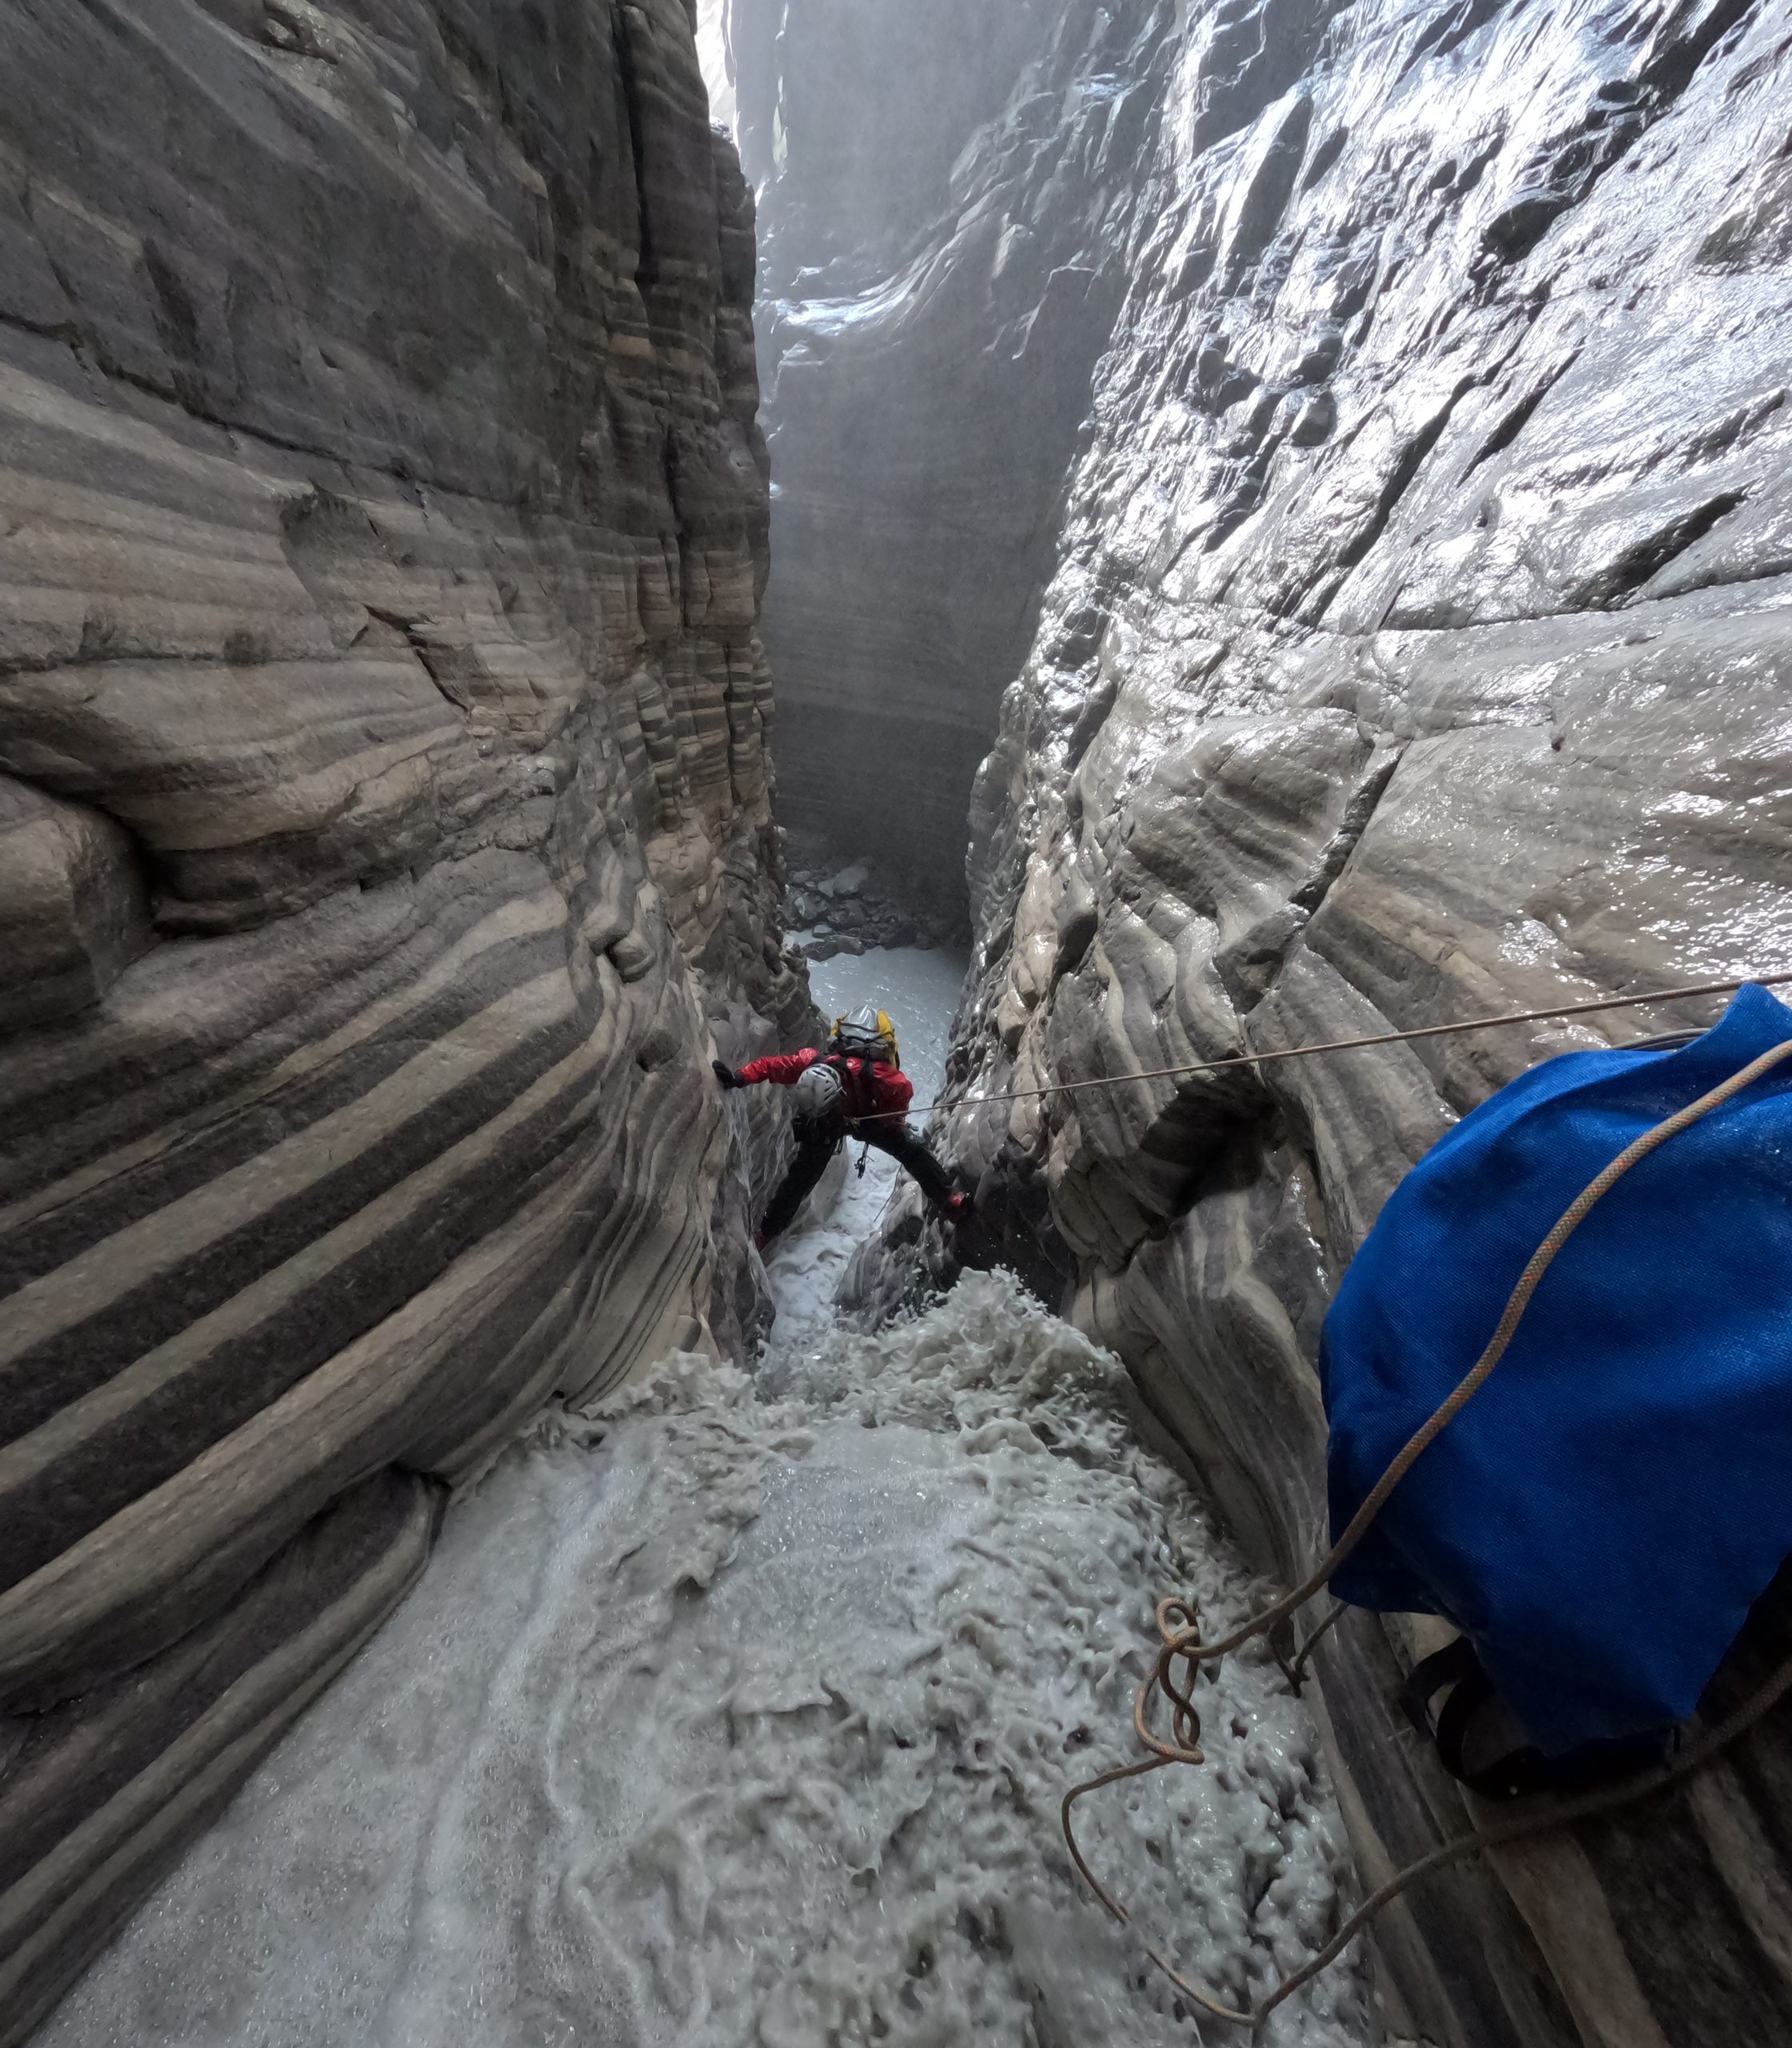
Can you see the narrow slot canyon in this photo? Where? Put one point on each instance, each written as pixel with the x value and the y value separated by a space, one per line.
pixel 555 562
pixel 739 1711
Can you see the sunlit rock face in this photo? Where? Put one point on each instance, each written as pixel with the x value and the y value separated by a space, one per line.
pixel 947 189
pixel 1420 648
pixel 384 826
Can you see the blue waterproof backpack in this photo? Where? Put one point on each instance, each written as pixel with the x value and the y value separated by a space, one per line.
pixel 1600 1516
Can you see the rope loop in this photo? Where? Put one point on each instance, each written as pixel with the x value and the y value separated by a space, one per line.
pixel 1183 1650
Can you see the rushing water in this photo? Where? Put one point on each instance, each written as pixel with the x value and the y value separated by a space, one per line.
pixel 721 1721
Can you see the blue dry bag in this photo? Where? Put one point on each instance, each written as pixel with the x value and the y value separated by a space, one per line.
pixel 1600 1516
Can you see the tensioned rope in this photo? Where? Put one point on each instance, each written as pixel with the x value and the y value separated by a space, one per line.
pixel 1338 1046
pixel 1182 1644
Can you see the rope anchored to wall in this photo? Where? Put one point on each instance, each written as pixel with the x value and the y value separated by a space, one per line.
pixel 1183 1650
pixel 1348 1045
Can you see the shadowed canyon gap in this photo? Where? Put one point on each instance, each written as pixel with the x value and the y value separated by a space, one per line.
pixel 1335 454
pixel 1415 648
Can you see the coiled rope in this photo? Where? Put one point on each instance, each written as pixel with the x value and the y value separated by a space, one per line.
pixel 1182 1645
pixel 1337 1046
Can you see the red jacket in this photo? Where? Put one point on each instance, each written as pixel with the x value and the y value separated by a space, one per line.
pixel 868 1087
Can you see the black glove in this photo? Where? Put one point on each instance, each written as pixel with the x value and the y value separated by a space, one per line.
pixel 726 1075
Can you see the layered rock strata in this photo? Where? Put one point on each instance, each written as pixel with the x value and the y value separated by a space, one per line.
pixel 384 828
pixel 947 192
pixel 1419 648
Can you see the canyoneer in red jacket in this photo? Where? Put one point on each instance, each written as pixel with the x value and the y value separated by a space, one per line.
pixel 852 1089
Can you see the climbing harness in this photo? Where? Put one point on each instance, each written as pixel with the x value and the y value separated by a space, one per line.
pixel 1182 1651
pixel 1346 1044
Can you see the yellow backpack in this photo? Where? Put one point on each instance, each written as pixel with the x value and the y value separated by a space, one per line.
pixel 867 1033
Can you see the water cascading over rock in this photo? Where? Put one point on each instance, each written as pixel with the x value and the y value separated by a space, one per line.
pixel 384 822
pixel 1417 650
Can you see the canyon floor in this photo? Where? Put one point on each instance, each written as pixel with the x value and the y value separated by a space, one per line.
pixel 741 1713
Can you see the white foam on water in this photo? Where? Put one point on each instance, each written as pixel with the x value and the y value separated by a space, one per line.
pixel 725 1722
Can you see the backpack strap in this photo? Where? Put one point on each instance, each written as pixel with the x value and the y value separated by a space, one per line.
pixel 1525 1768
pixel 1459 1666
pixel 1451 1665
pixel 855 1084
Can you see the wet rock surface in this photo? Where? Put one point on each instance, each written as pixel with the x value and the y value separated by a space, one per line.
pixel 1417 649
pixel 385 829
pixel 738 1715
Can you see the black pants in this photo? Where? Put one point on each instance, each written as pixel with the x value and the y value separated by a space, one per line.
pixel 817 1143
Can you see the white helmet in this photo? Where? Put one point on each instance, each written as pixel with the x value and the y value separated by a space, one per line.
pixel 817 1090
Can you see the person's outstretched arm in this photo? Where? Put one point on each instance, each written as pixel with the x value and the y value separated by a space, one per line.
pixel 783 1069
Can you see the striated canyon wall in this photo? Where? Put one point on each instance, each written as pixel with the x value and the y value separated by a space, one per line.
pixel 1419 647
pixel 384 829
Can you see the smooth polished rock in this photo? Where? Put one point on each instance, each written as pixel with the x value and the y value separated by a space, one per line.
pixel 75 914
pixel 98 1795
pixel 385 815
pixel 1420 649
